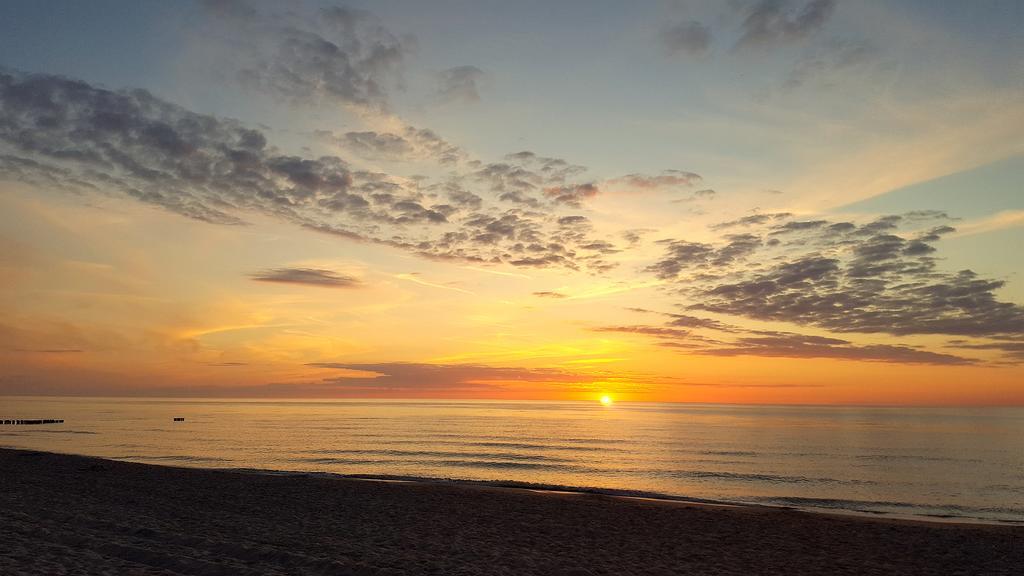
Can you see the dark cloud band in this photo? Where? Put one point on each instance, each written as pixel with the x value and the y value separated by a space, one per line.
pixel 307 276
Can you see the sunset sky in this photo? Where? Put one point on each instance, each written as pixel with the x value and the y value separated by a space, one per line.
pixel 802 201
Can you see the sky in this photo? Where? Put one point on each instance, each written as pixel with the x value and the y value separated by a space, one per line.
pixel 750 201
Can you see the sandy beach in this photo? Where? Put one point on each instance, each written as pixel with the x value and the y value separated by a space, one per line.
pixel 77 515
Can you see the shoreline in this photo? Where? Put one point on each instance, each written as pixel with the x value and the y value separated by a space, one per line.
pixel 619 493
pixel 624 493
pixel 67 513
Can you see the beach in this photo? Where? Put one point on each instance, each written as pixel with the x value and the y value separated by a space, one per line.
pixel 67 514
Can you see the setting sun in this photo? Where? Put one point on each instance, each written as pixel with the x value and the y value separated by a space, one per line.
pixel 315 242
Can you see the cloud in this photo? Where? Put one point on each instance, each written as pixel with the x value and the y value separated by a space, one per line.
pixel 573 221
pixel 549 294
pixel 787 345
pixel 832 63
pixel 70 135
pixel 688 37
pixel 682 254
pixel 658 331
pixel 687 321
pixel 572 195
pixel 840 276
pixel 414 376
pixel 634 236
pixel 752 220
pixel 382 379
pixel 1013 350
pixel 774 22
pixel 376 145
pixel 666 336
pixel 524 175
pixel 679 333
pixel 337 54
pixel 411 144
pixel 998 221
pixel 459 84
pixel 666 180
pixel 306 276
pixel 41 338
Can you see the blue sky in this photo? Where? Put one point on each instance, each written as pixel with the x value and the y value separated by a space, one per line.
pixel 593 77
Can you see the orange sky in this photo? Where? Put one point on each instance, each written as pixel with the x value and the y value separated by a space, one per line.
pixel 110 304
pixel 810 226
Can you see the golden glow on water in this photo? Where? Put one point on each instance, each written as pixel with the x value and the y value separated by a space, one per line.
pixel 961 462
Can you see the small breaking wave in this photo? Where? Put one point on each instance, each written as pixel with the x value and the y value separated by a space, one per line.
pixel 449 454
pixel 173 458
pixel 1006 514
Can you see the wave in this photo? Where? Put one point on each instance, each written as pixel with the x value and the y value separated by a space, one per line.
pixel 997 514
pixel 918 457
pixel 519 484
pixel 500 464
pixel 496 464
pixel 757 477
pixel 498 444
pixel 567 445
pixel 432 437
pixel 994 514
pixel 345 461
pixel 439 459
pixel 522 446
pixel 881 506
pixel 174 458
pixel 446 454
pixel 59 432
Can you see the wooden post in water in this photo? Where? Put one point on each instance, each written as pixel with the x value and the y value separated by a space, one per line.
pixel 24 422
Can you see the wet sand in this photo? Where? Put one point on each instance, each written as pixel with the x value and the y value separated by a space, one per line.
pixel 75 515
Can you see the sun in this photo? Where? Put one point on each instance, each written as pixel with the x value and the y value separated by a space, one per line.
pixel 606 400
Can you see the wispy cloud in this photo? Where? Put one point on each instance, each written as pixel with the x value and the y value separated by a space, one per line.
pixel 999 221
pixel 686 37
pixel 786 345
pixel 306 276
pixel 415 376
pixel 780 344
pixel 833 62
pixel 409 144
pixel 772 22
pixel 415 279
pixel 498 272
pixel 460 84
pixel 336 54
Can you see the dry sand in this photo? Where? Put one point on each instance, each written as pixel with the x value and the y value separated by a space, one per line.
pixel 75 515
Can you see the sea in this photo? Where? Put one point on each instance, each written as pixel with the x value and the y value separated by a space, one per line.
pixel 937 463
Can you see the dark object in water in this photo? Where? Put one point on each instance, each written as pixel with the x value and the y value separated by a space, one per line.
pixel 22 422
pixel 179 419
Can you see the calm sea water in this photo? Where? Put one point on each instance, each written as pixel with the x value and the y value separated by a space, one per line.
pixel 965 463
